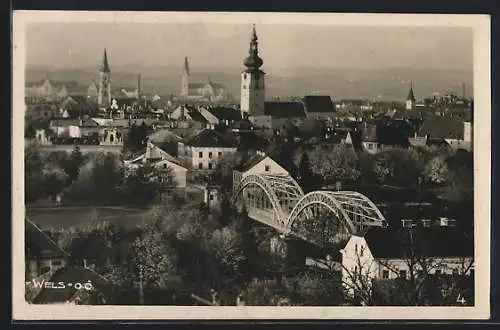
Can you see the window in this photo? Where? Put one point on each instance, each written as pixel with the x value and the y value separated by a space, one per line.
pixel 164 165
pixel 44 270
pixel 209 166
pixel 185 152
pixel 402 273
pixel 455 272
pixel 385 274
pixel 210 155
pixel 220 153
pixel 267 168
pixel 361 251
pixel 56 262
pixel 438 272
pixel 200 154
pixel 200 166
pixel 369 146
pixel 211 197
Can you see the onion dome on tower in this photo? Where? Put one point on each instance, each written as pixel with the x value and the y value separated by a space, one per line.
pixel 253 62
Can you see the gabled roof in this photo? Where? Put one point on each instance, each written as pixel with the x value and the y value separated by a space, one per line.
pixel 40 244
pixel 439 127
pixel 251 162
pixel 284 109
pixel 318 104
pixel 164 135
pixel 435 242
pixel 209 138
pixel 155 152
pixel 225 113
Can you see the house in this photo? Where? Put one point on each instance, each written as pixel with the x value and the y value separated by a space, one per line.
pixel 259 163
pixel 369 140
pixel 160 159
pixel 455 133
pixel 383 253
pixel 319 106
pixel 203 150
pixel 279 114
pixel 42 254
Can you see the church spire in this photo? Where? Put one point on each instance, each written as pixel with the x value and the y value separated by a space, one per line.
pixel 105 64
pixel 253 62
pixel 411 95
pixel 186 65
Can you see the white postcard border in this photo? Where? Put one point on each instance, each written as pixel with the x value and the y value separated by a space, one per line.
pixel 482 160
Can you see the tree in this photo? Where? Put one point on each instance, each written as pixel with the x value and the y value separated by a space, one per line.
pixel 436 170
pixel 306 177
pixel 226 245
pixel 341 164
pixel 155 259
pixel 54 180
pixel 72 164
pixel 146 183
pixel 33 165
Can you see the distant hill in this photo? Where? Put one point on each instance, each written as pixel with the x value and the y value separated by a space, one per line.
pixel 387 84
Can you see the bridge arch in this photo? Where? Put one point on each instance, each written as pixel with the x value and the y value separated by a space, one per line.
pixel 354 211
pixel 265 185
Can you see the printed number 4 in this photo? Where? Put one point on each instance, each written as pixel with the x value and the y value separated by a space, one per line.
pixel 460 299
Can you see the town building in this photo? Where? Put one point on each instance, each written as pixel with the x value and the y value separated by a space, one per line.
pixel 42 254
pixel 452 132
pixel 385 253
pixel 260 163
pixel 209 91
pixel 160 159
pixel 203 151
pixel 319 106
pixel 253 89
pixel 280 114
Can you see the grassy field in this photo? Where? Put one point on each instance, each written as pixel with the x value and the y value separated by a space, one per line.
pixel 65 217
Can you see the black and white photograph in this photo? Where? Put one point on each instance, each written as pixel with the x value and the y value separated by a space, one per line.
pixel 253 160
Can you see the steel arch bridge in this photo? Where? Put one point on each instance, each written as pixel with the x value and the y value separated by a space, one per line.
pixel 320 217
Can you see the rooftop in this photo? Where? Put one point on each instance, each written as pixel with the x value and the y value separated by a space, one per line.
pixel 285 109
pixel 437 242
pixel 40 244
pixel 318 104
pixel 209 138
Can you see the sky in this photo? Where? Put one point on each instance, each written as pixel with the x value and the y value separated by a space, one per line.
pixel 224 45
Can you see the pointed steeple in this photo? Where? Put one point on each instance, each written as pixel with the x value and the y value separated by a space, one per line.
pixel 253 61
pixel 138 85
pixel 411 95
pixel 186 65
pixel 105 64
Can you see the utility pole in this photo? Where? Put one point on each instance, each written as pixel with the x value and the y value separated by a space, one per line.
pixel 463 90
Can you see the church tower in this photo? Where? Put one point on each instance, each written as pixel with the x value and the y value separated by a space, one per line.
pixel 138 86
pixel 410 100
pixel 185 79
pixel 252 81
pixel 104 96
